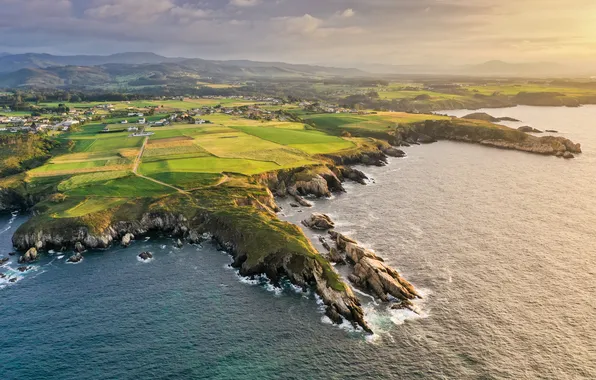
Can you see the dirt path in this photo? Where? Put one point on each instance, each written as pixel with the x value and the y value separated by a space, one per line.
pixel 135 168
pixel 135 171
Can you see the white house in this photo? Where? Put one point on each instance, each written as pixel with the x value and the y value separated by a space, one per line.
pixel 142 120
pixel 70 123
pixel 124 122
pixel 133 129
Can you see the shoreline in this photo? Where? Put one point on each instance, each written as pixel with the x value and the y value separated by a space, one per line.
pixel 244 222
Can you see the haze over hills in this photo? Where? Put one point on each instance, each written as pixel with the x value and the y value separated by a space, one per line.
pixel 141 68
pixel 490 68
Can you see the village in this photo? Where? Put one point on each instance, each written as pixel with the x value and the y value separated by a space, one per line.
pixel 158 112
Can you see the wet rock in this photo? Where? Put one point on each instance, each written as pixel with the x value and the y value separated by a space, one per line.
pixel 13 280
pixel 319 222
pixel 371 273
pixel 324 243
pixel 568 155
pixel 145 256
pixel 127 239
pixel 4 260
pixel 341 240
pixel 194 237
pixel 404 304
pixel 303 202
pixel 12 253
pixel 354 175
pixel 528 129
pixel 551 131
pixel 79 248
pixel 295 205
pixel 30 256
pixel 24 269
pixel 394 152
pixel 76 258
pixel 335 256
pixel 2 275
pixel 179 243
pixel 39 245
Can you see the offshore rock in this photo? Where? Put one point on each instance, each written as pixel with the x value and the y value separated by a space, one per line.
pixel 145 256
pixel 24 269
pixel 528 129
pixel 324 243
pixel 76 258
pixel 335 256
pixel 319 222
pixel 29 256
pixel 371 273
pixel 79 248
pixel 127 239
pixel 3 261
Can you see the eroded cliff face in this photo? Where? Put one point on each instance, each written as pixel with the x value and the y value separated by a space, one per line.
pixel 246 227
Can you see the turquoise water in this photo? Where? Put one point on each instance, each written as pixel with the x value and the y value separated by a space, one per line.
pixel 501 243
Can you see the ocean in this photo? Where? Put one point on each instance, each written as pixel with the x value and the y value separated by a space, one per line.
pixel 501 244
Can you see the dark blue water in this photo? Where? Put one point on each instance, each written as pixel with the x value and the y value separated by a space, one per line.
pixel 501 243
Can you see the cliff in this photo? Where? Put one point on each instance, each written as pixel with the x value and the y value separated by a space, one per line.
pixel 239 216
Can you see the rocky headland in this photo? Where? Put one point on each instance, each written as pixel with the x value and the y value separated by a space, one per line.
pixel 240 215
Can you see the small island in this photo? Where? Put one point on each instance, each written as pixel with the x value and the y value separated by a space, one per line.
pixel 219 180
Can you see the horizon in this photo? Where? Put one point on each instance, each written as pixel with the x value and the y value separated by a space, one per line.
pixel 331 33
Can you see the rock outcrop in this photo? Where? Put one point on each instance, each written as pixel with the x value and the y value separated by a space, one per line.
pixel 394 152
pixel 319 222
pixel 76 258
pixel 528 129
pixel 4 260
pixel 145 256
pixel 29 256
pixel 79 247
pixel 127 239
pixel 372 274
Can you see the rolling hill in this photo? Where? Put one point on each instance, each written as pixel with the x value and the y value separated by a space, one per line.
pixel 130 69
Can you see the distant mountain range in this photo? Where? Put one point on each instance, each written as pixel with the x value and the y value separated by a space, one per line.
pixel 146 69
pixel 45 70
pixel 490 68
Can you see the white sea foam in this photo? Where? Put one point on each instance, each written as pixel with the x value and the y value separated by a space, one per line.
pixel 60 257
pixel 69 263
pixel 145 261
pixel 51 252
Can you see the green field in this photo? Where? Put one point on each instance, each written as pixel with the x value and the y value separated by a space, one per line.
pixel 188 181
pixel 124 187
pixel 185 157
pixel 213 165
pixel 379 122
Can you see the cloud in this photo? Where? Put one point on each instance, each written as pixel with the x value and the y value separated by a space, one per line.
pixel 321 31
pixel 348 13
pixel 245 3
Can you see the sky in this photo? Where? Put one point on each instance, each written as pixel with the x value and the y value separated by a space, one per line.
pixel 308 31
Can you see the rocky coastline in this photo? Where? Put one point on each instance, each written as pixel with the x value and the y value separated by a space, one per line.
pixel 243 220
